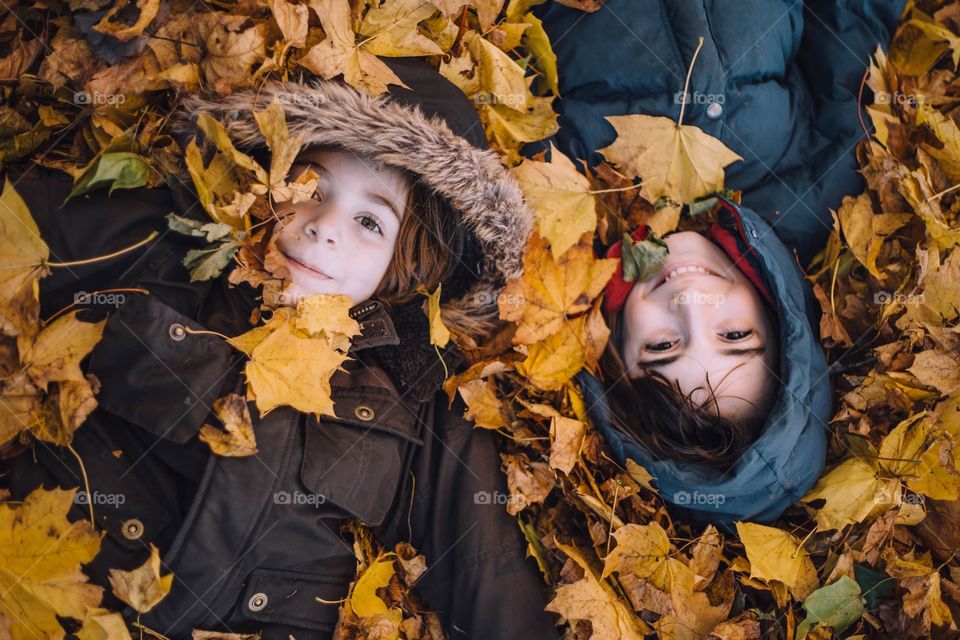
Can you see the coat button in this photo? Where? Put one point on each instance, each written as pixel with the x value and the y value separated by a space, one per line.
pixel 363 412
pixel 258 602
pixel 177 331
pixel 132 529
pixel 714 110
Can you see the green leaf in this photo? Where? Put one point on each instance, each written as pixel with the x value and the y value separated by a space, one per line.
pixel 119 170
pixel 837 605
pixel 205 264
pixel 642 260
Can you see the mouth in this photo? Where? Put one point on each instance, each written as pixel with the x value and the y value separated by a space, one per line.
pixel 304 268
pixel 675 270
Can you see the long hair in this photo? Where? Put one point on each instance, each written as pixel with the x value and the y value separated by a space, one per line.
pixel 652 410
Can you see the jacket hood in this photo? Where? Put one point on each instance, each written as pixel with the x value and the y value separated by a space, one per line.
pixel 789 456
pixel 430 129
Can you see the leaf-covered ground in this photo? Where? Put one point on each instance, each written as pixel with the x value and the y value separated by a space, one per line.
pixel 870 552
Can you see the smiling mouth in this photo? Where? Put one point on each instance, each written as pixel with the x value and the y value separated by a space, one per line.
pixel 684 268
pixel 300 266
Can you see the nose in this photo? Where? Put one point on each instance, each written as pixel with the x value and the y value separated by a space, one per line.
pixel 322 226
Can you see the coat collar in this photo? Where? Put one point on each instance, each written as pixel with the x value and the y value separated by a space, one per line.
pixel 376 326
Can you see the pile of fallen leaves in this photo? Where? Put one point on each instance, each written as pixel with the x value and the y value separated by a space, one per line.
pixel 871 550
pixel 88 89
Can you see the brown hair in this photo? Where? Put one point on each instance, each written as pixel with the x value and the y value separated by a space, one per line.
pixel 429 248
pixel 652 410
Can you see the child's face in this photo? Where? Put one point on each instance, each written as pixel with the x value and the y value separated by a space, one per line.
pixel 696 324
pixel 343 239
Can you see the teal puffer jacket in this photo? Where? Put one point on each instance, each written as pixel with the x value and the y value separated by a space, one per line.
pixel 776 81
pixel 788 457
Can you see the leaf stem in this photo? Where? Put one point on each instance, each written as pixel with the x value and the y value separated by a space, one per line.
pixel 86 483
pixel 686 83
pixel 77 263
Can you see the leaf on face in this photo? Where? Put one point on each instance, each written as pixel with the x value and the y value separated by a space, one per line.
pixel 144 587
pixel 283 149
pixel 680 162
pixel 237 438
pixel 552 289
pixel 777 555
pixel 40 557
pixel 560 198
pixel 23 261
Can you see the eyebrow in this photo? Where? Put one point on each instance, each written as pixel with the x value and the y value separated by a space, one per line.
pixel 726 352
pixel 376 197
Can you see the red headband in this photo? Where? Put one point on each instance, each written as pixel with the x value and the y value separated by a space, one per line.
pixel 618 289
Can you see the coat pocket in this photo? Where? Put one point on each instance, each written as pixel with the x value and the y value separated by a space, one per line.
pixel 287 597
pixel 357 460
pixel 155 374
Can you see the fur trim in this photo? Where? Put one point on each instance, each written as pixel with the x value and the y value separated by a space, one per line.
pixel 330 113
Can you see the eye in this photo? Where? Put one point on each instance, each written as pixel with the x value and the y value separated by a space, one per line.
pixel 370 223
pixel 737 335
pixel 660 346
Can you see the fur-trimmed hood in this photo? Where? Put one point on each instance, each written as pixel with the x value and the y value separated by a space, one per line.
pixel 431 130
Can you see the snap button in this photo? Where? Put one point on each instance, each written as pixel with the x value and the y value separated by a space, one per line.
pixel 363 412
pixel 258 602
pixel 177 331
pixel 753 232
pixel 132 529
pixel 714 110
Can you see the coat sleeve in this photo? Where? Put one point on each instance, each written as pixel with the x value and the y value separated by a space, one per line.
pixel 478 577
pixel 839 36
pixel 98 224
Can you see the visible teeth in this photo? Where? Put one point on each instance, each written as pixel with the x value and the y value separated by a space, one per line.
pixel 686 269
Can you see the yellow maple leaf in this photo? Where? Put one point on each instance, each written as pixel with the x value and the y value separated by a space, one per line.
pixel 144 587
pixel 552 289
pixel 644 551
pixel 776 555
pixel 288 366
pixel 853 490
pixel 560 197
pixel 390 30
pixel 23 261
pixel 566 437
pixel 680 162
pixel 40 557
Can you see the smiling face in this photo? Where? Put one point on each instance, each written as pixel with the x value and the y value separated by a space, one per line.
pixel 700 317
pixel 343 239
